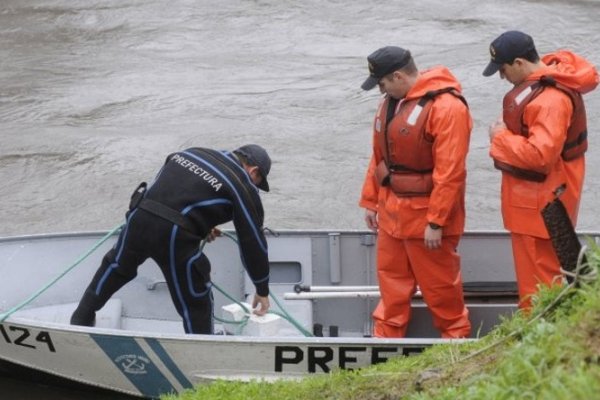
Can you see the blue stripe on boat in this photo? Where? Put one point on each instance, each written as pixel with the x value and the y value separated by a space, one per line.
pixel 169 363
pixel 134 363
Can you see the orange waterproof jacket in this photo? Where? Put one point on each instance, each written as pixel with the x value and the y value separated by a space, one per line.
pixel 449 124
pixel 547 117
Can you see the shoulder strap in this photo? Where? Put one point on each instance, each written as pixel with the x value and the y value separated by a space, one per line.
pixel 430 95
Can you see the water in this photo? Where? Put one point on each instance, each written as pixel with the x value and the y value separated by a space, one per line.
pixel 94 94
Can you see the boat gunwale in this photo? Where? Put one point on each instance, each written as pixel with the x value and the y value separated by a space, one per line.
pixel 276 233
pixel 63 328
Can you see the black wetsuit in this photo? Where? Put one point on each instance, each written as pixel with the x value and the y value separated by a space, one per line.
pixel 196 190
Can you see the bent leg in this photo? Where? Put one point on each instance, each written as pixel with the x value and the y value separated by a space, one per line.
pixel 187 272
pixel 118 267
pixel 439 278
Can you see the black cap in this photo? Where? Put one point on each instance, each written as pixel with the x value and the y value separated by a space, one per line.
pixel 385 61
pixel 257 156
pixel 505 48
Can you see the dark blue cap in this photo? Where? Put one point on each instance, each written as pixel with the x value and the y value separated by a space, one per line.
pixel 385 61
pixel 257 156
pixel 505 48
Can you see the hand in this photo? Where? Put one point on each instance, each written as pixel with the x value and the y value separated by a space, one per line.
pixel 371 220
pixel 433 238
pixel 263 301
pixel 496 127
pixel 213 234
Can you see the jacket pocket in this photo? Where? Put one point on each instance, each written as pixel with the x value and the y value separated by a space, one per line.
pixel 524 194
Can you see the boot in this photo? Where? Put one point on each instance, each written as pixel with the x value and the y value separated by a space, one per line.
pixel 85 313
pixel 83 317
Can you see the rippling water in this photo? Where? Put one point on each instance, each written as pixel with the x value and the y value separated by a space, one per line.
pixel 94 94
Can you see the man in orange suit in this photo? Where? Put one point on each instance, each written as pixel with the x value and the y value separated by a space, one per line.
pixel 539 145
pixel 414 191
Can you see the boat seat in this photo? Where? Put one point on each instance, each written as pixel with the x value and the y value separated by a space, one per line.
pixel 108 317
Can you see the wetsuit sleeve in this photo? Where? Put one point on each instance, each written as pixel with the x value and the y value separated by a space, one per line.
pixel 548 117
pixel 450 124
pixel 253 245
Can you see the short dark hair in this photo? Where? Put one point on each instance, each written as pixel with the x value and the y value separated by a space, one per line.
pixel 410 67
pixel 243 159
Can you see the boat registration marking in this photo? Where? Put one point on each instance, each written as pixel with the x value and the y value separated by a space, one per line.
pixel 323 358
pixel 20 336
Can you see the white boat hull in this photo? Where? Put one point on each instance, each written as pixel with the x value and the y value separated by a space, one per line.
pixel 150 365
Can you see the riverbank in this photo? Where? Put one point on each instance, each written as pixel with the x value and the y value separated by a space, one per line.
pixel 553 353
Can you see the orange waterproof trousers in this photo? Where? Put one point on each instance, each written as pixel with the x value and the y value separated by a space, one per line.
pixel 402 264
pixel 535 263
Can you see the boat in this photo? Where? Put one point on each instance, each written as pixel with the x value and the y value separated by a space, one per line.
pixel 323 282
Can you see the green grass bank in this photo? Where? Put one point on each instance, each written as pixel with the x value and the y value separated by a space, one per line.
pixel 552 354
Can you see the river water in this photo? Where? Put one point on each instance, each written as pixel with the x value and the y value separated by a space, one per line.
pixel 95 93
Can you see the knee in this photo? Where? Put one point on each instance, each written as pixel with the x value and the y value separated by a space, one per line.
pixel 202 267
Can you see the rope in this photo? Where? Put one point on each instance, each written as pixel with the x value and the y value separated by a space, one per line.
pixel 283 314
pixel 53 281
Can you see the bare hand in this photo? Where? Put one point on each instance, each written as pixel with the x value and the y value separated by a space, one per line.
pixel 496 127
pixel 263 301
pixel 433 238
pixel 371 220
pixel 213 234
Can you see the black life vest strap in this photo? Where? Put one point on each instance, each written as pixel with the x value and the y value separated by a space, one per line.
pixel 520 173
pixel 402 168
pixel 580 139
pixel 430 95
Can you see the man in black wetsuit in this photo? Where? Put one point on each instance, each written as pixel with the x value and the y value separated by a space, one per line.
pixel 196 190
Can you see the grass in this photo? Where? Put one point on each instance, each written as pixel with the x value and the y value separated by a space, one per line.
pixel 553 353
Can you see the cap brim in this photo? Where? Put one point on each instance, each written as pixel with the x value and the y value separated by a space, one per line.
pixel 264 185
pixel 370 83
pixel 491 69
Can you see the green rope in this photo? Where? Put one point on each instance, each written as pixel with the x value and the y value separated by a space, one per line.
pixel 52 282
pixel 288 317
pixel 241 324
pixel 283 314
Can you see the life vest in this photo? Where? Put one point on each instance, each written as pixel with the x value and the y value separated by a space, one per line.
pixel 514 105
pixel 407 148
